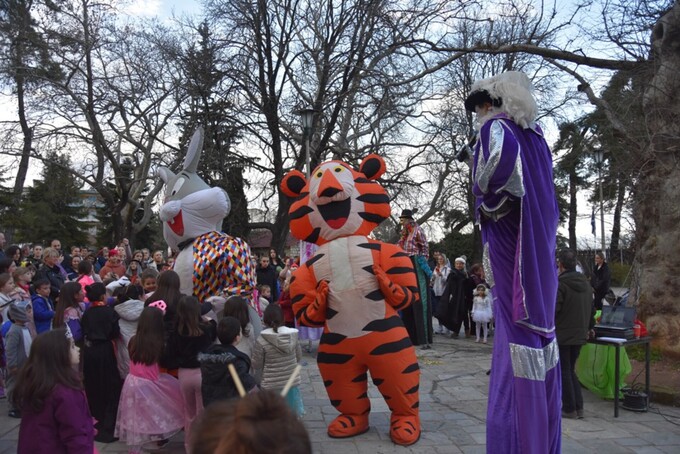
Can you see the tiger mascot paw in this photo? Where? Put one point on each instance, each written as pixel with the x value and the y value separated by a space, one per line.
pixel 404 430
pixel 345 426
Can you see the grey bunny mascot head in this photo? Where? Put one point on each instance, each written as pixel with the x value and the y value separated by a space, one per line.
pixel 191 207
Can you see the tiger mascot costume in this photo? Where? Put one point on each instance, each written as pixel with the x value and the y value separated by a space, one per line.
pixel 353 287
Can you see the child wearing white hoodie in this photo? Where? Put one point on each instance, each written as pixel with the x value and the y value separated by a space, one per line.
pixel 276 354
pixel 129 307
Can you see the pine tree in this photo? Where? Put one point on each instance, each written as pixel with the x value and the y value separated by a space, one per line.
pixel 51 208
pixel 211 108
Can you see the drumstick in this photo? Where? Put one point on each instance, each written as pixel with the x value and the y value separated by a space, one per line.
pixel 237 381
pixel 289 383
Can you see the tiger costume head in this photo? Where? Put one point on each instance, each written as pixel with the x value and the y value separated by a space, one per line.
pixel 337 201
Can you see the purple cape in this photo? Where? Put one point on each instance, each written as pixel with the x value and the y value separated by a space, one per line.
pixel 517 210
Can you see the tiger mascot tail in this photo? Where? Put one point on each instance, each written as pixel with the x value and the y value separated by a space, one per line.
pixel 353 287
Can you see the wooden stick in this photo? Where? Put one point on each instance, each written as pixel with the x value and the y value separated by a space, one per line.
pixel 237 381
pixel 291 379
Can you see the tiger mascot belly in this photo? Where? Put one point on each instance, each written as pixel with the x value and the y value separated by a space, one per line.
pixel 353 286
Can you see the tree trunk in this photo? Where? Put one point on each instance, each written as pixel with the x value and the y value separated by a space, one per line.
pixel 615 246
pixel 27 131
pixel 656 275
pixel 573 189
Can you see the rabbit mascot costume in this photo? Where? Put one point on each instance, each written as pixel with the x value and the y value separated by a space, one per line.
pixel 353 287
pixel 210 263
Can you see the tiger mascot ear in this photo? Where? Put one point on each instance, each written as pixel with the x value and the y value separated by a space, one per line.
pixel 373 166
pixel 293 183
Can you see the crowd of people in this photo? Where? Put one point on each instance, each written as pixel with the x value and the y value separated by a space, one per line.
pixel 152 358
pixel 102 345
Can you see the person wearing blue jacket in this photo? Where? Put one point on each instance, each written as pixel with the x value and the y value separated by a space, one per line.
pixel 43 308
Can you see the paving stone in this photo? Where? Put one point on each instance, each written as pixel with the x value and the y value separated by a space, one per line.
pixel 453 395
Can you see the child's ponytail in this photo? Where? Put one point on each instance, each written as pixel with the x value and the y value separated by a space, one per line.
pixel 273 317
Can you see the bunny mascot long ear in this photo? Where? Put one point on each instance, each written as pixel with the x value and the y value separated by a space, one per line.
pixel 194 151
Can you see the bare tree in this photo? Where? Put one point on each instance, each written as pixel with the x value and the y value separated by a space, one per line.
pixel 110 110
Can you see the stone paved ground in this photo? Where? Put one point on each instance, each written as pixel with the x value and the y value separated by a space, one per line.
pixel 453 396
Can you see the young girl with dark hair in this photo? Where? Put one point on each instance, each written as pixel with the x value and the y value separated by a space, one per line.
pixel 86 274
pixel 192 335
pixel 54 413
pixel 277 352
pixel 237 307
pixel 100 370
pixel 68 311
pixel 167 290
pixel 151 407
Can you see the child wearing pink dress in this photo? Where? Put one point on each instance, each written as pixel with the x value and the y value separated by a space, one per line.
pixel 151 407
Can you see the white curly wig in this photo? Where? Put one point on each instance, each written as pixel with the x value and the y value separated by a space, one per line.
pixel 509 92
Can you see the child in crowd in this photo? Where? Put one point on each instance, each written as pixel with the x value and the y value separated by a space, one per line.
pixel 217 383
pixel 482 311
pixel 168 292
pixel 438 282
pixel 260 422
pixel 265 293
pixel 17 347
pixel 237 307
pixel 69 310
pixel 22 282
pixel 54 413
pixel 191 336
pixel 100 371
pixel 86 275
pixel 43 308
pixel 129 307
pixel 151 408
pixel 134 271
pixel 286 305
pixel 148 281
pixel 277 352
pixel 6 289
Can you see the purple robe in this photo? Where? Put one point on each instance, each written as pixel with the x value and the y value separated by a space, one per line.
pixel 517 210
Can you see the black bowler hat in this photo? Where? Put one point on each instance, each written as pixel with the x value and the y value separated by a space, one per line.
pixel 478 98
pixel 406 214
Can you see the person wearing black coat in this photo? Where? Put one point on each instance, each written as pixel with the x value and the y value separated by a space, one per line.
pixel 452 308
pixel 267 275
pixel 574 318
pixel 216 381
pixel 50 270
pixel 600 280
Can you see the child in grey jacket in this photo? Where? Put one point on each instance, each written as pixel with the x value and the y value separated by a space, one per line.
pixel 18 345
pixel 276 354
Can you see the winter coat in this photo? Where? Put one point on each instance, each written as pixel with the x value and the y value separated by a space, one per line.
pixel 119 269
pixel 286 305
pixel 15 350
pixel 601 280
pixel 438 280
pixel 216 381
pixel 64 425
pixel 452 305
pixel 54 275
pixel 129 313
pixel 43 313
pixel 276 355
pixel 574 310
pixel 268 276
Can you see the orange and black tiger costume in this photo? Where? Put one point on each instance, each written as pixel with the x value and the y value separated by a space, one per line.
pixel 353 286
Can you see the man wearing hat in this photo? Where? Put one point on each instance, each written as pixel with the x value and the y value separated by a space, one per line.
pixel 517 210
pixel 114 268
pixel 417 317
